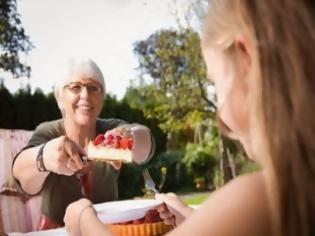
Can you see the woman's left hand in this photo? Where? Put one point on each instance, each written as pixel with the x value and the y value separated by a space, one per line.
pixel 143 145
pixel 142 142
pixel 74 214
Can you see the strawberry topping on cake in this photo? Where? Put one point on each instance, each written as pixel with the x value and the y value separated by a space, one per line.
pixel 113 141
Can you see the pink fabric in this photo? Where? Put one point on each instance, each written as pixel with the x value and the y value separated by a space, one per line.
pixel 11 142
pixel 14 214
pixel 33 212
pixel 18 215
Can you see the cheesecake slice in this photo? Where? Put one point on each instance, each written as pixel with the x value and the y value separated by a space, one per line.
pixel 111 148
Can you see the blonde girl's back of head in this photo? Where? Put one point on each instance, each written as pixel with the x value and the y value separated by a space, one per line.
pixel 283 104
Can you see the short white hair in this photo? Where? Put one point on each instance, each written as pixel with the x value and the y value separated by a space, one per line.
pixel 77 65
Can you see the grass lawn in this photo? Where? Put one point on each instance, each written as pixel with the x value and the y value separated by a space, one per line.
pixel 195 198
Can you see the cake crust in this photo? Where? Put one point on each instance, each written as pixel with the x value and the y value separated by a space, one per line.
pixel 147 229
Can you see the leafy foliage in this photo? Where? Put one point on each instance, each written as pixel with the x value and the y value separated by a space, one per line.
pixel 130 181
pixel 178 92
pixel 176 176
pixel 13 40
pixel 6 107
pixel 199 160
pixel 24 110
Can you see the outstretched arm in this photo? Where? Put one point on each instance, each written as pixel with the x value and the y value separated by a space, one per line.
pixel 60 155
pixel 81 219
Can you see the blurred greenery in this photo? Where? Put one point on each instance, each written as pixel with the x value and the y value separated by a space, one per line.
pixel 175 175
pixel 24 109
pixel 13 40
pixel 199 161
pixel 195 199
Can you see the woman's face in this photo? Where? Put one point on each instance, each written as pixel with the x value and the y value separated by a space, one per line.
pixel 232 93
pixel 81 99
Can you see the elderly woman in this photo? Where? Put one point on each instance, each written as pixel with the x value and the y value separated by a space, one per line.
pixel 51 164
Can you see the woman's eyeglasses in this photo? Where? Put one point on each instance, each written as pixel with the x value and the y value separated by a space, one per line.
pixel 76 88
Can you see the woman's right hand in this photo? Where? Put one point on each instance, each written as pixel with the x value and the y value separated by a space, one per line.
pixel 174 211
pixel 63 156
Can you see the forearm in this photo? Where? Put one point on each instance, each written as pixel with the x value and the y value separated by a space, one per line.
pixel 26 172
pixel 187 211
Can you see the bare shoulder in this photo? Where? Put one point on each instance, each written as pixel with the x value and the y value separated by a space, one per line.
pixel 239 208
pixel 251 185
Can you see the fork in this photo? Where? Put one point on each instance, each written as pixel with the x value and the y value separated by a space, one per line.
pixel 148 181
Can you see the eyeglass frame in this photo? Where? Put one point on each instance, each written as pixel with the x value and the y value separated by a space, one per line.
pixel 99 87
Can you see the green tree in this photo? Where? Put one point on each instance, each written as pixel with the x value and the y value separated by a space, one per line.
pixel 39 106
pixel 13 40
pixel 7 108
pixel 23 115
pixel 178 93
pixel 52 109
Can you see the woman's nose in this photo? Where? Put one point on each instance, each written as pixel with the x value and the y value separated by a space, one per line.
pixel 84 92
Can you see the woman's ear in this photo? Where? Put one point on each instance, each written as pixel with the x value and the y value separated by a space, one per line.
pixel 59 100
pixel 243 51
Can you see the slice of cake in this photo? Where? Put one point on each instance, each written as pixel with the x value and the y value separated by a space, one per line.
pixel 111 148
pixel 150 225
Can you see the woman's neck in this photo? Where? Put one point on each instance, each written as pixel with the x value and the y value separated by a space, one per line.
pixel 79 133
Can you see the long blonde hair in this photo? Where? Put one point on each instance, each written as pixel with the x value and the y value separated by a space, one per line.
pixel 283 32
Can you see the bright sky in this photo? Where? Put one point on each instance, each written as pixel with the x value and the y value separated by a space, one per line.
pixel 105 30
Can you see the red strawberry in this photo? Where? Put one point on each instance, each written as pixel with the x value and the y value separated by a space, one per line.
pixel 99 139
pixel 110 137
pixel 124 143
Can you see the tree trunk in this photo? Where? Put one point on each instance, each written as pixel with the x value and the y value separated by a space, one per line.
pixel 227 165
